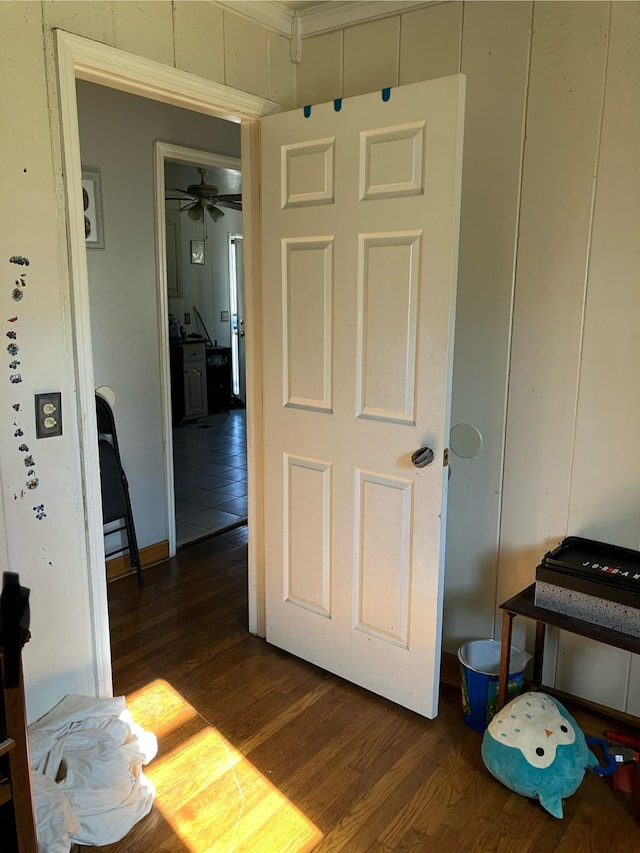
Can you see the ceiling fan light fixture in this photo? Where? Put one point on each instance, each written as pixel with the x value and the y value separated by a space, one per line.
pixel 215 213
pixel 195 212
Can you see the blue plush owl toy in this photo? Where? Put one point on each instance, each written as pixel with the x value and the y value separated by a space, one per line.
pixel 536 748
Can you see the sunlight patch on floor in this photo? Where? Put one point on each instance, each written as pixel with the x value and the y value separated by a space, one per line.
pixel 159 708
pixel 210 794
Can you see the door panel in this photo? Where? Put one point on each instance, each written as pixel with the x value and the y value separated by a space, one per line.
pixel 360 223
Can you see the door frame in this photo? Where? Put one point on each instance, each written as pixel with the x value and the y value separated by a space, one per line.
pixel 163 151
pixel 81 58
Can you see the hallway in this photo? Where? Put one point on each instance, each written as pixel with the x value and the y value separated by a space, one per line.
pixel 210 471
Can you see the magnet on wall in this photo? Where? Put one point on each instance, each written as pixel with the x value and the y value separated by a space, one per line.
pixel 13 349
pixel 15 379
pixel 14 364
pixel 32 483
pixel 17 294
pixel 24 448
pixel 18 433
pixel 20 260
pixel 16 407
pixel 29 462
pixel 39 511
pixel 12 335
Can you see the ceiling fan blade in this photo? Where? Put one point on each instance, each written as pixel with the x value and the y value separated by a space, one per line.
pixel 182 194
pixel 232 200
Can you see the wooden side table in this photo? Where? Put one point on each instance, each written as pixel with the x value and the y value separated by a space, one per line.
pixel 523 604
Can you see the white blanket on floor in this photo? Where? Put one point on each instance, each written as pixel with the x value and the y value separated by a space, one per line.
pixel 86 760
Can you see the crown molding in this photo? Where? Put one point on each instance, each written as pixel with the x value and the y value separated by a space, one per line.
pixel 336 15
pixel 331 15
pixel 269 14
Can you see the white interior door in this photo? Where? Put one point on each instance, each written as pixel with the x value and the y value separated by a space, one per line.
pixel 360 231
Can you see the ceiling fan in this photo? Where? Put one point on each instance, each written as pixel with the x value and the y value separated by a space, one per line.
pixel 202 197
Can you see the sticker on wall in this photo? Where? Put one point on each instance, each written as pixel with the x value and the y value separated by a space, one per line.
pixel 16 407
pixel 15 378
pixel 17 294
pixel 30 472
pixel 12 319
pixel 18 433
pixel 32 483
pixel 13 365
pixel 39 511
pixel 24 448
pixel 20 260
pixel 13 349
pixel 12 335
pixel 29 462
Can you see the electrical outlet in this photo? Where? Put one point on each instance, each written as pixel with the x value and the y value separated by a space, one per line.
pixel 187 318
pixel 48 414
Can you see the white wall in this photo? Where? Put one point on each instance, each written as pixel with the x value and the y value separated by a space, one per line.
pixel 51 553
pixel 546 333
pixel 204 286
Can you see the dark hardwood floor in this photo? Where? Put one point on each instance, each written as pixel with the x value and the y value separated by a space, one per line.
pixel 262 752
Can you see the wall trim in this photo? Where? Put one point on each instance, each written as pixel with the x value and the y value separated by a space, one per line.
pixel 120 566
pixel 108 66
pixel 336 16
pixel 137 75
pixel 323 18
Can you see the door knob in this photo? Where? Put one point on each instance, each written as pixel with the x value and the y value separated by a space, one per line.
pixel 422 457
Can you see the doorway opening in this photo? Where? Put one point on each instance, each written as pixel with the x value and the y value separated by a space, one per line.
pixel 209 456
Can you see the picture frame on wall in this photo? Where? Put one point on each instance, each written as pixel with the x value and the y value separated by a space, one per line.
pixel 197 251
pixel 92 206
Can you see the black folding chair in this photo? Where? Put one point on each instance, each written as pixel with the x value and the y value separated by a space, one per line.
pixel 116 503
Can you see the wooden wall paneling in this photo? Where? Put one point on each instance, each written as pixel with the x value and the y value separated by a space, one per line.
pixel 495 60
pixel 430 42
pixel 562 127
pixel 242 39
pixel 47 553
pixel 319 75
pixel 282 72
pixel 145 29
pixel 605 487
pixel 371 56
pixel 93 20
pixel 199 39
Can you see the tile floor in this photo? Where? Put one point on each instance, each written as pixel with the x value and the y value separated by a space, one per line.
pixel 210 471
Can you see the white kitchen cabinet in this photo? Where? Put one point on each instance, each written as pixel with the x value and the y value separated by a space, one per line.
pixel 194 370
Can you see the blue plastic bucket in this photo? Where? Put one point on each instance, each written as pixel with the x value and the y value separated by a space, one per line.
pixel 480 673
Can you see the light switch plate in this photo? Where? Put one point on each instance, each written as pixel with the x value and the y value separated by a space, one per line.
pixel 48 414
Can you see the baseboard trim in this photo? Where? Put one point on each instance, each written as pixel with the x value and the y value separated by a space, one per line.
pixel 120 566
